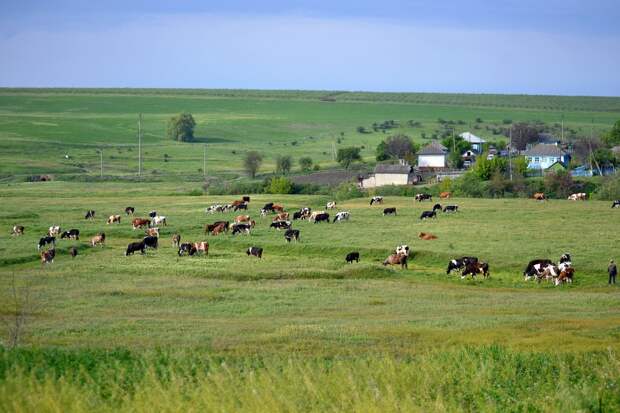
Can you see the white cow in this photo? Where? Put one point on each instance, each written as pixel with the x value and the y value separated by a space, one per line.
pixel 342 216
pixel 331 205
pixel 159 220
pixel 53 230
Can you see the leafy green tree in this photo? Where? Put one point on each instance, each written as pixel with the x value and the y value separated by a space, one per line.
pixel 604 156
pixel 283 164
pixel 280 185
pixel 519 165
pixel 612 138
pixel 396 146
pixel 346 156
pixel 484 168
pixel 181 127
pixel 455 160
pixel 252 163
pixel 305 163
pixel 459 143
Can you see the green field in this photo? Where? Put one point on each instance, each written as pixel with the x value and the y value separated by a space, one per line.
pixel 39 126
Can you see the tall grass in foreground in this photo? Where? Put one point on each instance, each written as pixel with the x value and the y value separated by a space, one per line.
pixel 482 379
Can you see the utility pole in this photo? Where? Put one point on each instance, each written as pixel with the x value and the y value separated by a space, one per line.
pixel 453 142
pixel 510 153
pixel 140 144
pixel 592 158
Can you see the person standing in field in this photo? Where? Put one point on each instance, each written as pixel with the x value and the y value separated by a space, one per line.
pixel 612 270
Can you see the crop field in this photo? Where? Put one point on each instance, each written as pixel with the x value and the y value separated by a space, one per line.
pixel 38 127
pixel 300 329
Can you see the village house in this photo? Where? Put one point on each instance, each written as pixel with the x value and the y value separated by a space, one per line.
pixel 476 142
pixel 391 174
pixel 543 156
pixel 433 155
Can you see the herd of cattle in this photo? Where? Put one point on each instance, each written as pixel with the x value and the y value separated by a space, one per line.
pixel 538 269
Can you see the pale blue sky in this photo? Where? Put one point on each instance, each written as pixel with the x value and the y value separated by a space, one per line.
pixel 537 47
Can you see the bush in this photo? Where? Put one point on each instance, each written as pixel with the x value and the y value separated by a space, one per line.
pixel 469 185
pixel 348 190
pixel 609 189
pixel 558 184
pixel 279 185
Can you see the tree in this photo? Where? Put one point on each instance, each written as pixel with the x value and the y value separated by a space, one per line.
pixel 559 183
pixel 485 168
pixel 612 138
pixel 252 163
pixel 280 185
pixel 305 163
pixel 455 160
pixel 346 156
pixel 283 164
pixel 181 127
pixel 396 146
pixel 522 134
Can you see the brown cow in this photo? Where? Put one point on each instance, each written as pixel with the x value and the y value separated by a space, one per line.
pixel 140 222
pixel 209 228
pixel 277 208
pixel 242 218
pixel 176 240
pixel 539 196
pixel 282 216
pixel 114 218
pixel 219 228
pixel 202 246
pixel 98 239
pixel 396 259
pixel 566 276
pixel 152 232
pixel 445 195
pixel 426 236
pixel 48 256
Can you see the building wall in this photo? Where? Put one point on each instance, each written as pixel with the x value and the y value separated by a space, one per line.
pixel 432 161
pixel 391 179
pixel 369 182
pixel 543 162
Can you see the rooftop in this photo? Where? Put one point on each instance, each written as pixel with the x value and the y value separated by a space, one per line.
pixel 471 138
pixel 544 149
pixel 433 148
pixel 384 168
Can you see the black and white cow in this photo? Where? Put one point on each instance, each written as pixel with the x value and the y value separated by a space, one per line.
pixel 187 248
pixel 376 200
pixel 291 234
pixel 458 264
pixel 151 242
pixel 241 228
pixel 616 204
pixel 280 225
pixel 536 267
pixel 342 216
pixel 437 207
pixel 565 261
pixel 255 251
pixel 153 214
pixel 130 210
pixel 423 197
pixel 90 214
pixel 402 250
pixel 389 211
pixel 46 241
pixel 135 246
pixel 240 206
pixel 451 208
pixel 71 234
pixel 428 214
pixel 321 218
pixel 353 256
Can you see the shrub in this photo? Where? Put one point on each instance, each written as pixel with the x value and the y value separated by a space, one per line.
pixel 348 190
pixel 609 189
pixel 279 185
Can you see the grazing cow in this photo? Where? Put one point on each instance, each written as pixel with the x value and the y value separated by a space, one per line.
pixel 150 241
pixel 235 203
pixel 48 256
pixel 246 199
pixel 187 248
pixel 202 246
pixel 71 234
pixel 437 207
pixel 539 196
pixel 451 208
pixel 352 256
pixel 296 215
pixel 565 276
pixel 314 214
pixel 428 214
pixel 331 205
pixel 18 230
pixel 321 218
pixel 423 197
pixel 402 250
pixel 268 207
pixel 160 220
pixel 135 246
pixel 176 240
pixel 376 200
pixel 277 208
pixel 153 214
pixel 616 204
pixel 242 218
pixel 73 252
pixel 342 216
pixel 53 230
pixel 458 264
pixel 90 214
pixel 220 228
pixel 140 223
pixel 255 251
pixel 239 228
pixel 243 206
pixel 45 241
pixel 114 218
pixel 282 216
pixel 445 195
pixel 535 268
pixel 389 211
pixel 396 259
pixel 581 196
pixel 152 232
pixel 291 234
pixel 98 239
pixel 549 272
pixel 565 261
pixel 426 236
pixel 213 209
pixel 475 268
pixel 219 225
pixel 280 225
pixel 130 210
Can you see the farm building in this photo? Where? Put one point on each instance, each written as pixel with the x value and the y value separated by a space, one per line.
pixel 390 174
pixel 433 155
pixel 477 143
pixel 542 156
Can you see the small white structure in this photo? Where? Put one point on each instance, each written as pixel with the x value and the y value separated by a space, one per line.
pixel 390 174
pixel 543 155
pixel 432 155
pixel 476 142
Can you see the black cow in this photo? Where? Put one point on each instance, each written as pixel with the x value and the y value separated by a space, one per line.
pixel 458 264
pixel 130 210
pixel 239 228
pixel 616 204
pixel 474 268
pixel 245 199
pixel 90 214
pixel 255 251
pixel 296 215
pixel 135 246
pixel 428 214
pixel 45 241
pixel 451 208
pixel 268 206
pixel 437 207
pixel 187 248
pixel 291 234
pixel 151 242
pixel 153 214
pixel 279 225
pixel 423 197
pixel 353 256
pixel 240 206
pixel 321 218
pixel 73 252
pixel 389 211
pixel 535 266
pixel 72 233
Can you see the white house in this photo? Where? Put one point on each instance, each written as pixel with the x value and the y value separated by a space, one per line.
pixel 388 174
pixel 476 142
pixel 543 155
pixel 432 155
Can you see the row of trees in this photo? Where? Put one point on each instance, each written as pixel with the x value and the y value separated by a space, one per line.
pixel 284 163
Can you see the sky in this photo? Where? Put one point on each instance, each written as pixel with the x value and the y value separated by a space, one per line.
pixel 566 47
